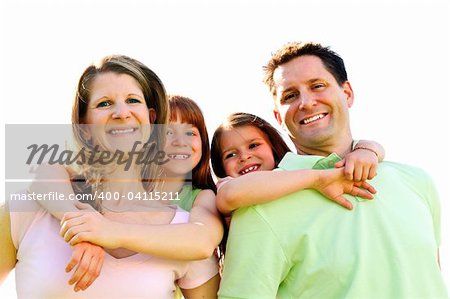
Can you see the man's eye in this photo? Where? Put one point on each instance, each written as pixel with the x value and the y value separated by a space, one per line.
pixel 318 85
pixel 290 97
pixel 103 104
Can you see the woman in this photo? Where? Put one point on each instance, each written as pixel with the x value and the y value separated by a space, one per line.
pixel 118 104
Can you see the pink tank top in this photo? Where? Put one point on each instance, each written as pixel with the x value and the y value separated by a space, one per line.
pixel 42 256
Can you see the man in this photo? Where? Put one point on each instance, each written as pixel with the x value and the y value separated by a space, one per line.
pixel 303 246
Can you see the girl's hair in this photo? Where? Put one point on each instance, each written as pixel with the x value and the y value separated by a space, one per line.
pixel 155 97
pixel 187 111
pixel 240 119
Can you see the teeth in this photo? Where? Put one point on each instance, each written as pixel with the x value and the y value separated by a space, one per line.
pixel 123 131
pixel 314 118
pixel 178 157
pixel 247 170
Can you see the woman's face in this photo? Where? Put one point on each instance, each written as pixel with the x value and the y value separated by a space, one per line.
pixel 183 148
pixel 117 114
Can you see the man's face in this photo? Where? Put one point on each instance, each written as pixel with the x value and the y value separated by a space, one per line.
pixel 311 105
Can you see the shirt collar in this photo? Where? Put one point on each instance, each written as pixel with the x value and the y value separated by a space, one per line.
pixel 293 161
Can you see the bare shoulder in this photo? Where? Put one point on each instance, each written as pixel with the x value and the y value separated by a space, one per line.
pixel 206 199
pixel 207 193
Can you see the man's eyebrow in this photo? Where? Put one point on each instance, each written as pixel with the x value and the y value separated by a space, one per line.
pixel 314 80
pixel 288 89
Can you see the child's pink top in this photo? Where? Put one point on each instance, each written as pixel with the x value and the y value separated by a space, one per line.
pixel 42 256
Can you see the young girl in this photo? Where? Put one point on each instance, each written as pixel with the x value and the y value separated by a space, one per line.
pixel 121 98
pixel 248 147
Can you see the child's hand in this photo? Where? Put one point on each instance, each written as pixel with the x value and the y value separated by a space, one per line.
pixel 88 225
pixel 89 258
pixel 359 165
pixel 332 183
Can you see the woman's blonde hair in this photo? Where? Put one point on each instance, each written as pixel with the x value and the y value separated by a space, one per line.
pixel 155 98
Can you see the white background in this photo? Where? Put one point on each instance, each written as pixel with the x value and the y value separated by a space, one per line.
pixel 396 53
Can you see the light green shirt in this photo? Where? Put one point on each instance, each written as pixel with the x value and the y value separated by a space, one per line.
pixel 187 197
pixel 305 246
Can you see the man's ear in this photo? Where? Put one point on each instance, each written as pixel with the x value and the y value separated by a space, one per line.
pixel 277 117
pixel 348 90
pixel 152 115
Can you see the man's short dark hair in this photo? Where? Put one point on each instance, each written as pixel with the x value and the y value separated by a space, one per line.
pixel 331 60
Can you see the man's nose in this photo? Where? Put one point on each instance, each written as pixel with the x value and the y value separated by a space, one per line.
pixel 307 101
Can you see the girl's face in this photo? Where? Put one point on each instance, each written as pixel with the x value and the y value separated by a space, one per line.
pixel 183 148
pixel 117 112
pixel 245 149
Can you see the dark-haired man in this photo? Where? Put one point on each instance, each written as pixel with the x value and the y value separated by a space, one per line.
pixel 302 246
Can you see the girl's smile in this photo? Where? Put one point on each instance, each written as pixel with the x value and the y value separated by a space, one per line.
pixel 246 149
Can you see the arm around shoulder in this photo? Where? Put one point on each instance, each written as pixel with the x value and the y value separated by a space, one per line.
pixel 253 188
pixel 372 146
pixel 54 178
pixel 194 240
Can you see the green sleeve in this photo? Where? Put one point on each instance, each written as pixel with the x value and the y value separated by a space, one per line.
pixel 432 198
pixel 255 263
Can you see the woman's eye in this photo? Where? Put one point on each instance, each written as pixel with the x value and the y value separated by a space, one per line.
pixel 253 145
pixel 190 133
pixel 134 101
pixel 169 132
pixel 103 104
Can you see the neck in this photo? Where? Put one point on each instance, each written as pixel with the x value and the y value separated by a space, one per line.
pixel 172 184
pixel 342 149
pixel 122 181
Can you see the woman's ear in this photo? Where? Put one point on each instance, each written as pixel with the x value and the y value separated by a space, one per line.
pixel 85 131
pixel 152 115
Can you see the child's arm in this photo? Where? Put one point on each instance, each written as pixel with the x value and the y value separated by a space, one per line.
pixel 254 188
pixel 87 258
pixel 54 178
pixel 362 162
pixel 194 240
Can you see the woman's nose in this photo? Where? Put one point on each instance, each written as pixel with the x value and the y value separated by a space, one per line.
pixel 121 111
